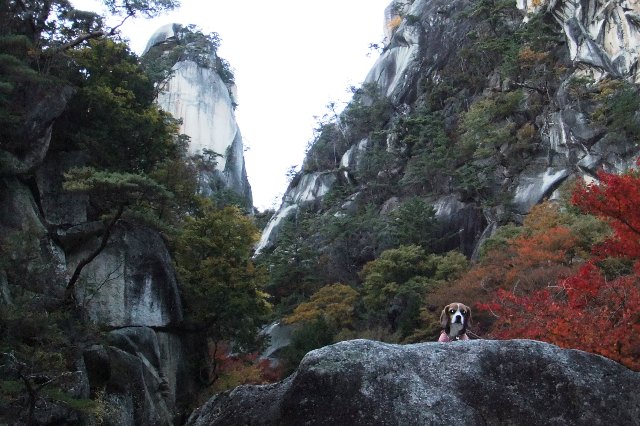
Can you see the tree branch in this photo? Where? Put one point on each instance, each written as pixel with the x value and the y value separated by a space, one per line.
pixel 103 243
pixel 87 36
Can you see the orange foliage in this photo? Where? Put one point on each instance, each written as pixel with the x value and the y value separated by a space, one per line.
pixel 394 23
pixel 528 57
pixel 528 263
pixel 586 310
pixel 537 259
pixel 335 303
pixel 231 370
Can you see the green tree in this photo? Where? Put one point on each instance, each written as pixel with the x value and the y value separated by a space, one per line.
pixel 114 193
pixel 334 302
pixel 293 264
pixel 414 223
pixel 38 344
pixel 429 150
pixel 113 116
pixel 396 283
pixel 619 104
pixel 312 335
pixel 35 37
pixel 487 124
pixel 221 286
pixel 349 241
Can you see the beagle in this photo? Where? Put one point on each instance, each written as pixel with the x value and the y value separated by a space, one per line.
pixel 454 320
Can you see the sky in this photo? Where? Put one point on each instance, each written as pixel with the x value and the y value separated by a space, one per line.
pixel 290 59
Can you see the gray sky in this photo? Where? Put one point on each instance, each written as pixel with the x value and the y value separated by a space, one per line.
pixel 290 59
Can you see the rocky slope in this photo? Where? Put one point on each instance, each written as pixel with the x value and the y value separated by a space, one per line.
pixel 430 63
pixel 478 382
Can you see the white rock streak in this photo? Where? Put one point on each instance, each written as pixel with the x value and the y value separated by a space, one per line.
pixel 200 98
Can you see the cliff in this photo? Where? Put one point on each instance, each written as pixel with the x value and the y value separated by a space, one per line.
pixel 196 94
pixel 442 57
pixel 91 311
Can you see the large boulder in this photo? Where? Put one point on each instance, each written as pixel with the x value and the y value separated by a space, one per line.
pixel 479 382
pixel 142 375
pixel 133 393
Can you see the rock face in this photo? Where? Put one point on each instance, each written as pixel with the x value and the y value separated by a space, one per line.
pixel 477 382
pixel 26 241
pixel 601 34
pixel 30 147
pixel 140 373
pixel 130 288
pixel 131 282
pixel 198 96
pixel 602 40
pixel 310 188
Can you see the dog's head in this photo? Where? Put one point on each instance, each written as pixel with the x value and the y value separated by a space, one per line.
pixel 455 316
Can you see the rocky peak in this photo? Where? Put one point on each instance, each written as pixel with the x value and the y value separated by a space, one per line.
pixel 199 91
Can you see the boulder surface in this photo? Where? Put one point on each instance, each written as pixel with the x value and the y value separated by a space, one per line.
pixel 478 382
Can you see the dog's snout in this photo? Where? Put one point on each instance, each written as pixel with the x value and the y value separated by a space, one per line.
pixel 457 318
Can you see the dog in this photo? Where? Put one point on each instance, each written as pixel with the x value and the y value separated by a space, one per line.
pixel 454 320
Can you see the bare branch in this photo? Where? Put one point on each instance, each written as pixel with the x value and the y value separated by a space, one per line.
pixel 87 36
pixel 103 243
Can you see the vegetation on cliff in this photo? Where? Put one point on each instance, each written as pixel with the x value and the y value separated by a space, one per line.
pixel 372 258
pixel 464 130
pixel 131 166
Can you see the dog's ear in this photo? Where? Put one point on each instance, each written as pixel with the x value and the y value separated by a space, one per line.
pixel 444 317
pixel 467 321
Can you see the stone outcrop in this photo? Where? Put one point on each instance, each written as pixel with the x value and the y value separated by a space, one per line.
pixel 26 243
pixel 131 282
pixel 140 373
pixel 31 144
pixel 279 336
pixel 131 288
pixel 475 382
pixel 305 191
pixel 205 104
pixel 601 34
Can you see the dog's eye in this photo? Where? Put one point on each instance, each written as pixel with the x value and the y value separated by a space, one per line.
pixel 451 311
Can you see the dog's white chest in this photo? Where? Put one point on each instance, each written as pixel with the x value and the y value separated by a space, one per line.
pixel 454 330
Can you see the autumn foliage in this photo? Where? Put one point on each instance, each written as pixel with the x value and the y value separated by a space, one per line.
pixel 231 369
pixel 597 307
pixel 616 199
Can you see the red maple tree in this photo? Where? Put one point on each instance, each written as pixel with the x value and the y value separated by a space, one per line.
pixel 594 309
